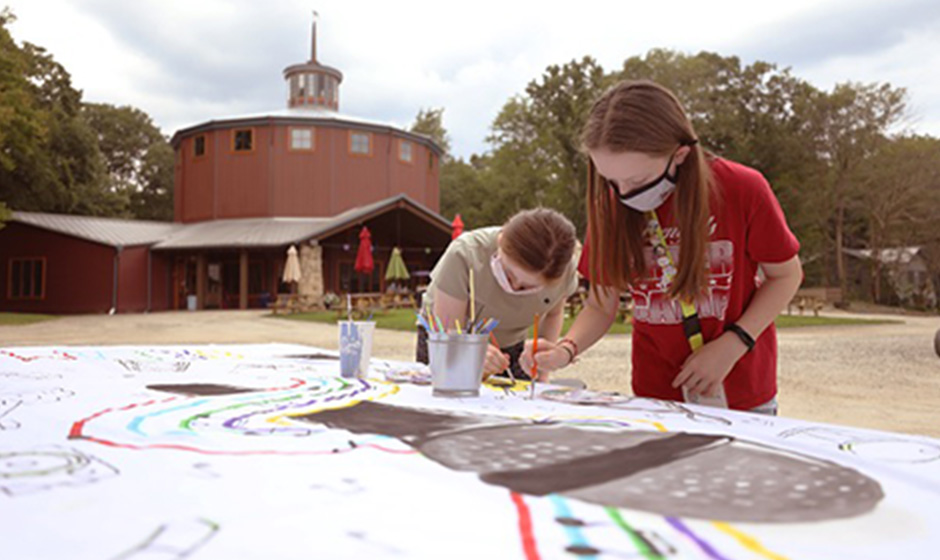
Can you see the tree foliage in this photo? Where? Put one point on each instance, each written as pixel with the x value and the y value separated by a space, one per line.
pixel 52 156
pixel 832 157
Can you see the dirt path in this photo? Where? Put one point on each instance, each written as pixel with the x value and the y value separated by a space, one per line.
pixel 884 377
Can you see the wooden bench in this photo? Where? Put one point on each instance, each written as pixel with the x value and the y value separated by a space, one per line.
pixel 575 304
pixel 363 305
pixel 813 299
pixel 286 304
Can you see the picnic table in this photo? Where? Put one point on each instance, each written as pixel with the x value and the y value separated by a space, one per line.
pixel 261 451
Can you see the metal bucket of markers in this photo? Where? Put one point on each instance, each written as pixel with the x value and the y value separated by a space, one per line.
pixel 456 362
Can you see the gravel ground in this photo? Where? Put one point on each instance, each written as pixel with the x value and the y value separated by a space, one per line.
pixel 884 377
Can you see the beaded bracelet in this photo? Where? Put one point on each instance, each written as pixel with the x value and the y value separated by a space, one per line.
pixel 572 350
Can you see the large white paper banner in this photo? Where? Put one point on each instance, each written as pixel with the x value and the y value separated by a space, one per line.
pixel 261 451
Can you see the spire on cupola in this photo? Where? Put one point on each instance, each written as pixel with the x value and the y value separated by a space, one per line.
pixel 313 85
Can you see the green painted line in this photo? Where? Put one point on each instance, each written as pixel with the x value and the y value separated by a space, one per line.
pixel 186 424
pixel 639 542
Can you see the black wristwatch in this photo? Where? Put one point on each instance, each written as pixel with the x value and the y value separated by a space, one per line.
pixel 745 337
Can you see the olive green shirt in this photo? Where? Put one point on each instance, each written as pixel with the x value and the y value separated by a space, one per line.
pixel 474 249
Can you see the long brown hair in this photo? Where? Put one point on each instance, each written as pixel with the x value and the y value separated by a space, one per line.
pixel 542 240
pixel 642 116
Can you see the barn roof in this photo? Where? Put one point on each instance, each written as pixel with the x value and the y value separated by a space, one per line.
pixel 235 233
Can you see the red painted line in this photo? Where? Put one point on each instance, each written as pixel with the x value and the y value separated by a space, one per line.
pixel 525 527
pixel 227 452
pixel 78 427
pixel 297 383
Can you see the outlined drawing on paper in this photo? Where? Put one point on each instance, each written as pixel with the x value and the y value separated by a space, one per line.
pixel 10 402
pixel 878 447
pixel 173 541
pixel 36 470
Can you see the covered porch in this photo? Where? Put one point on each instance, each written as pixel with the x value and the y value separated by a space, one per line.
pixel 239 264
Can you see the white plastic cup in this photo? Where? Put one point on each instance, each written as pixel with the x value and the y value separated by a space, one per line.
pixel 717 401
pixel 355 348
pixel 456 363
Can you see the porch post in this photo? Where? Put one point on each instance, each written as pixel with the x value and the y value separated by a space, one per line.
pixel 311 285
pixel 201 272
pixel 243 280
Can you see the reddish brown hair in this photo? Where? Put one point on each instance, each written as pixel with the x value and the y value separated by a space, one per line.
pixel 541 240
pixel 642 116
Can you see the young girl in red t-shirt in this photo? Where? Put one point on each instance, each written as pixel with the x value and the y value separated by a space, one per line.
pixel 687 234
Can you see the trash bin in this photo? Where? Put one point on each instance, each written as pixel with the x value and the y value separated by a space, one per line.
pixel 191 303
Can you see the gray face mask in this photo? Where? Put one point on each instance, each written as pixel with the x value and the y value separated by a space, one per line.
pixel 651 195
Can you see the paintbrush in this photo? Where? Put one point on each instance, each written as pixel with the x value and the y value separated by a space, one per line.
pixel 509 369
pixel 473 303
pixel 535 350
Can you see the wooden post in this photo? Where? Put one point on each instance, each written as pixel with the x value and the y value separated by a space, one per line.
pixel 201 272
pixel 243 280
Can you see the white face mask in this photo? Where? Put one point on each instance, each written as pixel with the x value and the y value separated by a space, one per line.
pixel 651 195
pixel 496 265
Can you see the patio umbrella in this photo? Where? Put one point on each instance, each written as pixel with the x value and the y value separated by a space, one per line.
pixel 364 263
pixel 396 267
pixel 292 266
pixel 457 226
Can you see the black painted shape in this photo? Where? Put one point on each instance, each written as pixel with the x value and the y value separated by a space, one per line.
pixel 601 468
pixel 408 424
pixel 200 389
pixel 316 356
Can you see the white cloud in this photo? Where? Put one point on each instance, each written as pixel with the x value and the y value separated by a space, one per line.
pixel 185 62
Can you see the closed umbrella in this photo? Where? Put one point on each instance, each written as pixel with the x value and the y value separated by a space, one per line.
pixel 364 263
pixel 396 267
pixel 292 266
pixel 457 227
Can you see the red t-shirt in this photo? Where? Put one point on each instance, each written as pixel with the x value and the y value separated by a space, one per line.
pixel 747 227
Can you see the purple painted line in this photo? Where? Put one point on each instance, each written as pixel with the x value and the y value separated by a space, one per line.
pixel 706 548
pixel 237 422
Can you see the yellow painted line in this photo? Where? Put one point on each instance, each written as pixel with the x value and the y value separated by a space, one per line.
pixel 747 541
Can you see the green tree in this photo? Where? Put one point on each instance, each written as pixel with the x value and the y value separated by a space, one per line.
pixel 847 127
pixel 430 122
pixel 22 123
pixel 899 190
pixel 138 158
pixel 50 161
pixel 536 156
pixel 461 183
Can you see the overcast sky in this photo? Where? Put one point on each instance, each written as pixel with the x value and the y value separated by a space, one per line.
pixel 189 61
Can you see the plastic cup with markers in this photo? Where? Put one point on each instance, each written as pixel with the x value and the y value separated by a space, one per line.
pixel 355 348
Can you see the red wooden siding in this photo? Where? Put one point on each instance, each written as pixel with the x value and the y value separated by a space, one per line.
pixel 78 273
pixel 273 180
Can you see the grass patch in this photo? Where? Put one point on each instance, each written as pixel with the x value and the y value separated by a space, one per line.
pixel 15 319
pixel 788 321
pixel 396 319
pixel 404 320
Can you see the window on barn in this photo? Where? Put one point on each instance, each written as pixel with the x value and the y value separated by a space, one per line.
pixel 27 278
pixel 360 143
pixel 243 140
pixel 405 152
pixel 301 139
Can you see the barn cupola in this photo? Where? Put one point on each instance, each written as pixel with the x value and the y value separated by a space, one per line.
pixel 313 85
